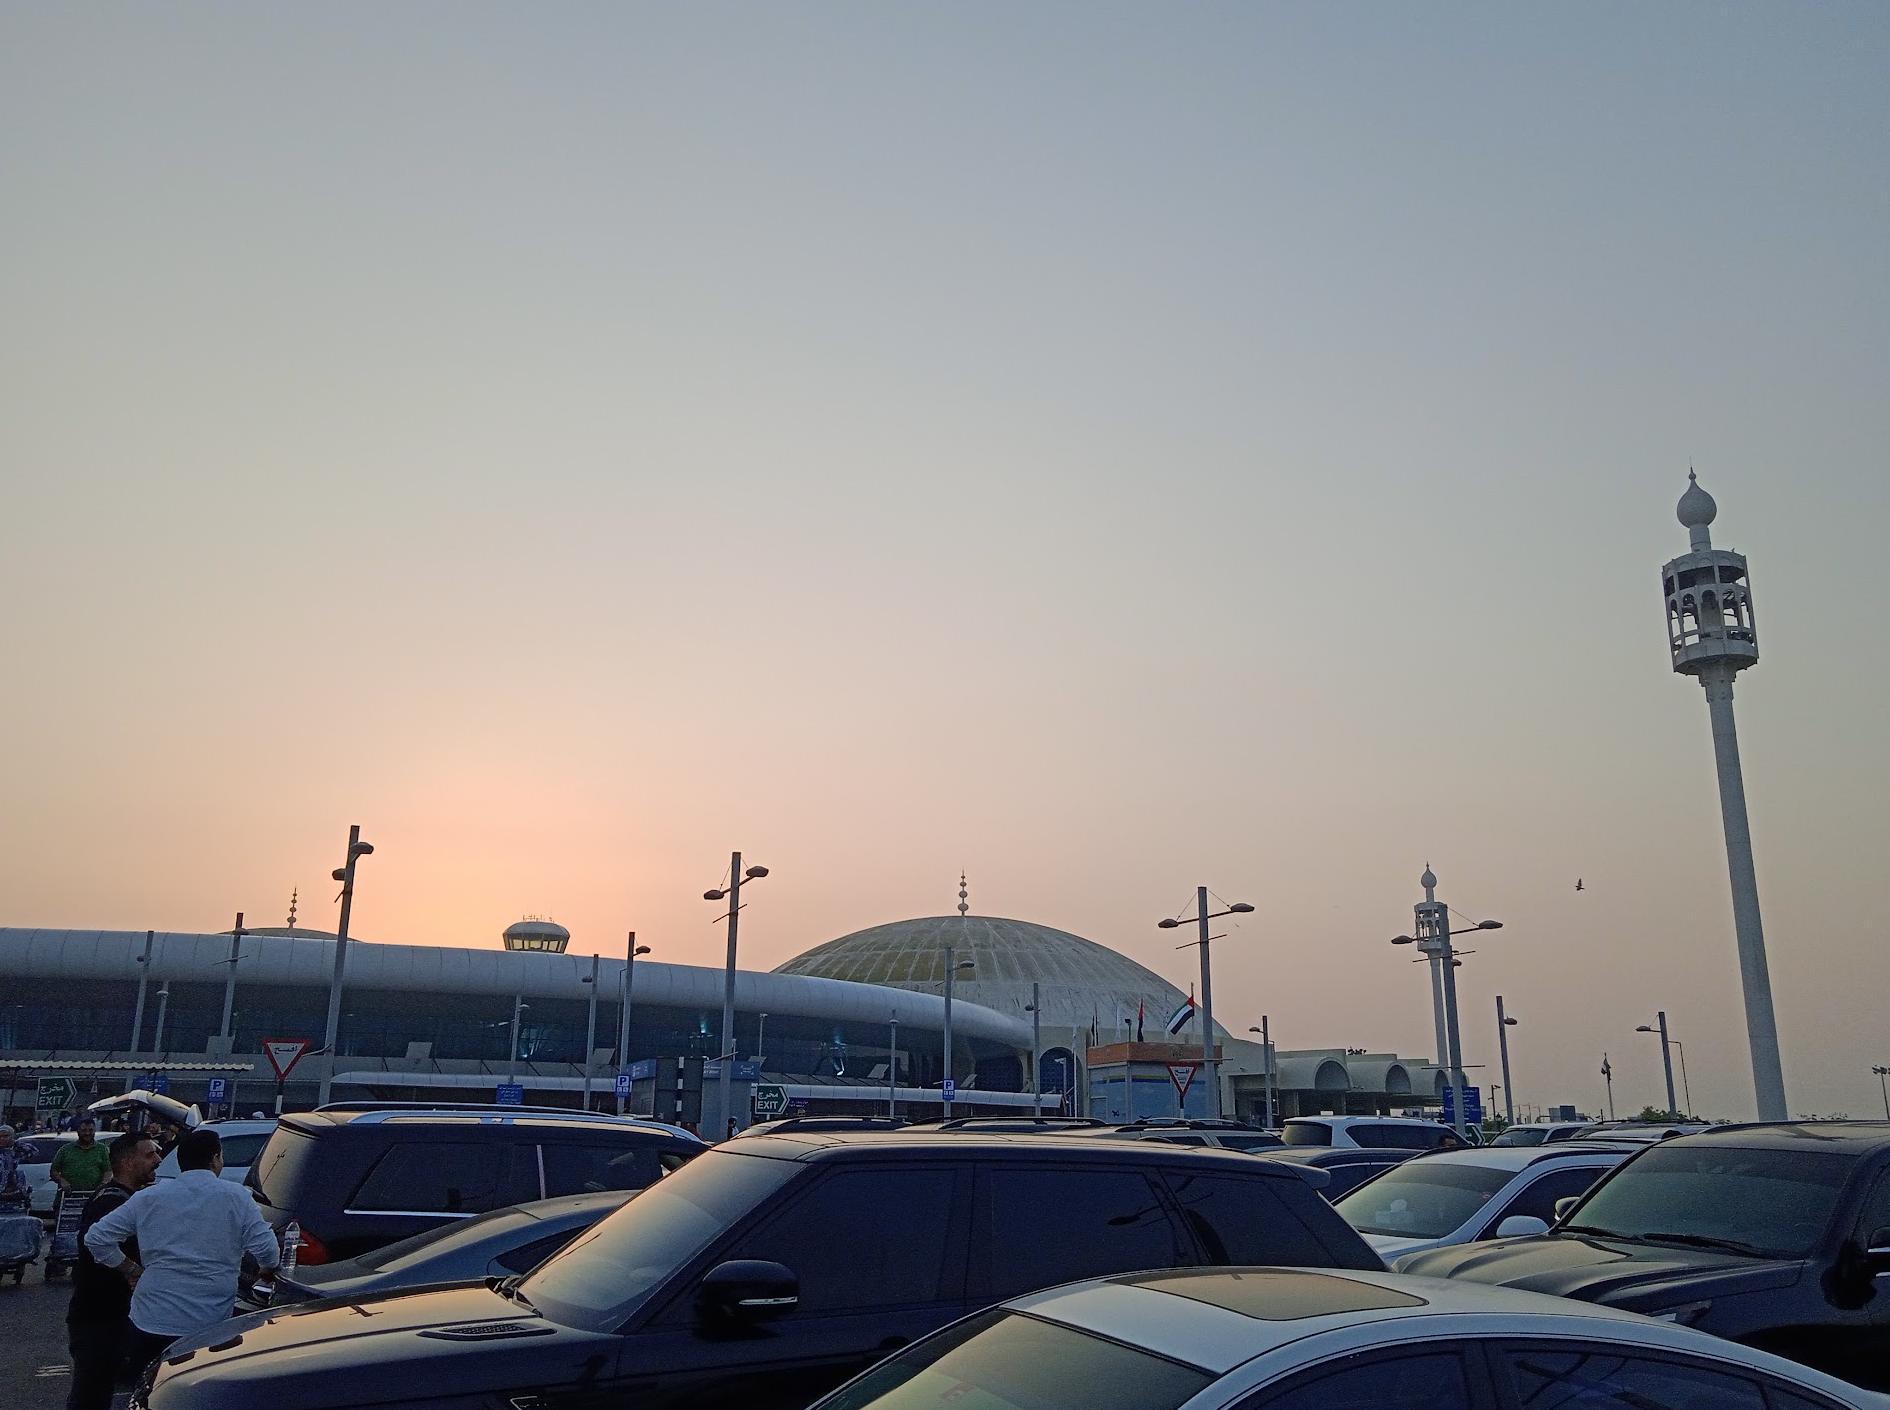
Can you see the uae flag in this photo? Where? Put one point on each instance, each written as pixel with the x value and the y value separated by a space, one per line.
pixel 1138 1021
pixel 1179 1019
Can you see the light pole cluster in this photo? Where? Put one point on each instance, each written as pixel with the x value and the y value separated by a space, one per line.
pixel 1433 940
pixel 1202 916
pixel 344 873
pixel 733 895
pixel 1883 1085
pixel 1667 1043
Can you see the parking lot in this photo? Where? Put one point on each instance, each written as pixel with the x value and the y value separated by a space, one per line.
pixel 33 1369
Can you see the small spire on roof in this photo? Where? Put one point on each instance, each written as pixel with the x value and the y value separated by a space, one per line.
pixel 294 892
pixel 963 896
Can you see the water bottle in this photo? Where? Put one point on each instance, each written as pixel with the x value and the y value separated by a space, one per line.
pixel 291 1246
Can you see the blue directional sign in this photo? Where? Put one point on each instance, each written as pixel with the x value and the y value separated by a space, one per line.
pixel 219 1089
pixel 643 1069
pixel 950 1088
pixel 1472 1105
pixel 161 1084
pixel 746 1070
pixel 510 1094
pixel 623 1084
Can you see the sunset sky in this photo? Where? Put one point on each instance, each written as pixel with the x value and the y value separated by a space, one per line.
pixel 1104 448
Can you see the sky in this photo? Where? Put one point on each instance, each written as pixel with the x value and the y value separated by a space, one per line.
pixel 1103 448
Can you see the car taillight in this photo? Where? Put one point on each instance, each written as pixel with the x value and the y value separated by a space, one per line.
pixel 310 1249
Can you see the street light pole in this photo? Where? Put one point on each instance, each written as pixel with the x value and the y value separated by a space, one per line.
pixel 590 1033
pixel 518 1006
pixel 761 1037
pixel 632 950
pixel 164 1002
pixel 1036 1049
pixel 229 984
pixel 1666 1058
pixel 144 974
pixel 331 1033
pixel 892 1069
pixel 734 896
pixel 1208 1059
pixel 1883 1082
pixel 1503 1024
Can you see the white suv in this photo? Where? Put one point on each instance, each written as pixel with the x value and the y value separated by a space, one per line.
pixel 1369 1132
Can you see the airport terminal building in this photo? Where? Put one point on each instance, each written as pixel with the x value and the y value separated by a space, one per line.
pixel 854 1025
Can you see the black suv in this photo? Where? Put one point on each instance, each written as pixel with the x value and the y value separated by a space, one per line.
pixel 357 1177
pixel 769 1271
pixel 1777 1236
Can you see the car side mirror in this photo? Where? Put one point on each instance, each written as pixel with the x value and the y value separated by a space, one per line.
pixel 749 1290
pixel 1521 1226
pixel 1565 1206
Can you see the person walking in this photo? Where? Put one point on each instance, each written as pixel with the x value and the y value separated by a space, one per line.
pixel 81 1165
pixel 192 1234
pixel 98 1321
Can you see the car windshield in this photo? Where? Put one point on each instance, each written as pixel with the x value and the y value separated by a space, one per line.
pixel 597 1280
pixel 1422 1199
pixel 1522 1136
pixel 1003 1360
pixel 1767 1203
pixel 1306 1133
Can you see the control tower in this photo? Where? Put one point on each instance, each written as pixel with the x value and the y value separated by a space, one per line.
pixel 1712 637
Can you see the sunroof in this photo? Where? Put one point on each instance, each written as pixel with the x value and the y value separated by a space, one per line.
pixel 1277 1295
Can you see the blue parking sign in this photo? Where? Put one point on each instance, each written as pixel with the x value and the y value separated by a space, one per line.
pixel 950 1088
pixel 623 1084
pixel 219 1089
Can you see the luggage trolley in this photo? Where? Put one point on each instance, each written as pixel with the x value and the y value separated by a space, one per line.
pixel 19 1239
pixel 67 1216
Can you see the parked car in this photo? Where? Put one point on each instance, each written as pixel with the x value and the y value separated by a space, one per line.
pixel 36 1157
pixel 1540 1133
pixel 356 1178
pixel 1776 1236
pixel 1368 1133
pixel 1337 1171
pixel 1639 1132
pixel 1287 1339
pixel 242 1143
pixel 768 1271
pixel 494 1245
pixel 1459 1197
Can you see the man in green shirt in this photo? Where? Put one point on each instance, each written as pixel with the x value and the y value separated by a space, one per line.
pixel 82 1164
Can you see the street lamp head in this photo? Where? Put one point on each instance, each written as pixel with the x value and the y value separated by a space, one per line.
pixel 1509 1022
pixel 754 873
pixel 1403 940
pixel 641 950
pixel 965 967
pixel 1240 908
pixel 339 874
pixel 360 849
pixel 1168 924
pixel 1489 925
pixel 716 894
pixel 1646 1028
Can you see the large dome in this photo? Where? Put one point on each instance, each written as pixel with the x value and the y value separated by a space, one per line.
pixel 1081 983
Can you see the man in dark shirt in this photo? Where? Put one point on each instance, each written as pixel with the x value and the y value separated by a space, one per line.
pixel 98 1323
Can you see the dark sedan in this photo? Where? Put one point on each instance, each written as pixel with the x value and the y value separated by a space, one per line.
pixel 1777 1236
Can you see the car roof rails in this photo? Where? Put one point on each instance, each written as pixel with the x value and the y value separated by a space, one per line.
pixel 823 1123
pixel 1022 1124
pixel 477 1106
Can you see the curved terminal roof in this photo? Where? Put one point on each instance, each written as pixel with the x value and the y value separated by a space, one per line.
pixel 1081 982
pixel 274 959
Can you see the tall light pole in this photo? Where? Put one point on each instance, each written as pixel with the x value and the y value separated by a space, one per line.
pixel 1712 635
pixel 1503 1024
pixel 344 873
pixel 1607 1074
pixel 1433 940
pixel 1883 1082
pixel 1666 1057
pixel 590 1032
pixel 1036 1050
pixel 1266 1070
pixel 518 1006
pixel 736 876
pixel 892 1068
pixel 632 950
pixel 144 975
pixel 1202 917
pixel 953 967
pixel 1064 1105
pixel 229 984
pixel 164 1002
pixel 761 1036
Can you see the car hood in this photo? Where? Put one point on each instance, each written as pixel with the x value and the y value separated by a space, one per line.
pixel 379 1350
pixel 1612 1271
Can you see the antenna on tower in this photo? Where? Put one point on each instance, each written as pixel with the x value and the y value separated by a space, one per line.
pixel 964 904
pixel 293 894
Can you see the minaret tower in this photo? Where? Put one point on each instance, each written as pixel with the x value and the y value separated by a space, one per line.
pixel 1712 636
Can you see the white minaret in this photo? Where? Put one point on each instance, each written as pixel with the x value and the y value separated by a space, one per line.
pixel 1711 633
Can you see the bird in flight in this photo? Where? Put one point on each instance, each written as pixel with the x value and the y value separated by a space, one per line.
pixel 1578 884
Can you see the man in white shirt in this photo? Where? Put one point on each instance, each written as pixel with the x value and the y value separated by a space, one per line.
pixel 192 1233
